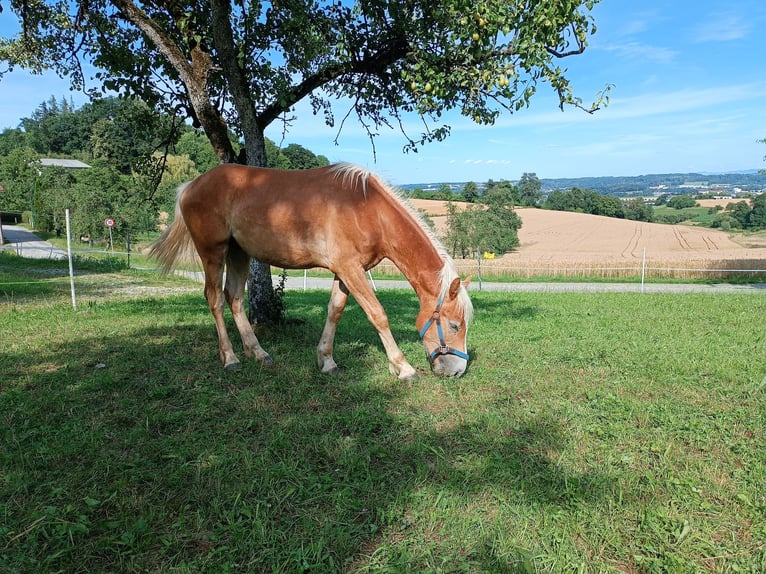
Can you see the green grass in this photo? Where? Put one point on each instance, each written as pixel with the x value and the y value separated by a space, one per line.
pixel 697 215
pixel 592 433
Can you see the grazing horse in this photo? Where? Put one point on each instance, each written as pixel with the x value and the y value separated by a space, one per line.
pixel 341 218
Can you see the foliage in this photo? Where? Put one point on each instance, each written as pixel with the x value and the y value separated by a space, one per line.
pixel 197 148
pixel 18 176
pixel 585 201
pixel 301 158
pixel 743 215
pixel 756 219
pixel 500 193
pixel 681 202
pixel 589 201
pixel 492 228
pixel 444 193
pixel 416 57
pixel 581 438
pixel 740 211
pixel 470 193
pixel 530 190
pixel 637 210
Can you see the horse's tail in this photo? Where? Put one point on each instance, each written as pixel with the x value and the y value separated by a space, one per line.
pixel 175 245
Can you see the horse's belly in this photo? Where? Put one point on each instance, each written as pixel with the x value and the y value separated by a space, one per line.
pixel 293 252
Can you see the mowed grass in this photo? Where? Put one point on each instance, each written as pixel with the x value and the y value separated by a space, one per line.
pixel 592 433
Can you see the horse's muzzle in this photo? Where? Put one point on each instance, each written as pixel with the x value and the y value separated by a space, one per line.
pixel 448 365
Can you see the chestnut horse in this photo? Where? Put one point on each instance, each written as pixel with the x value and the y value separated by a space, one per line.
pixel 339 217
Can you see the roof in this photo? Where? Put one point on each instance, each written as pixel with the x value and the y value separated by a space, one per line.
pixel 70 163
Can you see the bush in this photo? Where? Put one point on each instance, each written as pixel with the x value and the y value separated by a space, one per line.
pixel 681 202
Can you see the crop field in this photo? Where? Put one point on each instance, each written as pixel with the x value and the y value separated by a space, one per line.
pixel 593 432
pixel 557 243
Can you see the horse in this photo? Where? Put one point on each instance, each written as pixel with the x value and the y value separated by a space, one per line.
pixel 340 217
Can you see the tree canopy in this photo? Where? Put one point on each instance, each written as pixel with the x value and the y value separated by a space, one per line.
pixel 242 66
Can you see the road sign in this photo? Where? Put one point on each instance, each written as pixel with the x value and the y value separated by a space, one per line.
pixel 109 222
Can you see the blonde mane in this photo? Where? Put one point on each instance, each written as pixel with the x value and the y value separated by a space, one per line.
pixel 353 174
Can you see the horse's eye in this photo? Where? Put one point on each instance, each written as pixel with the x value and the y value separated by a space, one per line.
pixel 454 327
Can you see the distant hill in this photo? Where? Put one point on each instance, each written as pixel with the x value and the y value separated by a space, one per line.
pixel 640 185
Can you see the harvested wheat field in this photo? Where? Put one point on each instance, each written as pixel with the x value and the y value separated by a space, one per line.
pixel 575 243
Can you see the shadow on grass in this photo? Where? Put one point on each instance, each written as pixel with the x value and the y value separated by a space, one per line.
pixel 129 449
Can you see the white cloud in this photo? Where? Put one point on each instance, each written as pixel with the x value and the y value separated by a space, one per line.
pixel 642 52
pixel 721 28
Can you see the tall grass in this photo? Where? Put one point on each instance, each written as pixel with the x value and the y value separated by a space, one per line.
pixel 592 433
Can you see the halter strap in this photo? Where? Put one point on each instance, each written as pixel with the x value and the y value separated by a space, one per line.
pixel 443 348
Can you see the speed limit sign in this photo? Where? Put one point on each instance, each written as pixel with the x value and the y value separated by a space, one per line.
pixel 109 222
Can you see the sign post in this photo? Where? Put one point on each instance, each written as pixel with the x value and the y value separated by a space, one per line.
pixel 109 222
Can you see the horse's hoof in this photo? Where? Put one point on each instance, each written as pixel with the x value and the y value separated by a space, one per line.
pixel 267 361
pixel 232 366
pixel 335 371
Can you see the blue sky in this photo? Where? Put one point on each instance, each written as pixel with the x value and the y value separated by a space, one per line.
pixel 689 95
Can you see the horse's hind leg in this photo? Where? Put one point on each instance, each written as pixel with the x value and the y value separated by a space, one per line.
pixel 212 261
pixel 338 298
pixel 237 263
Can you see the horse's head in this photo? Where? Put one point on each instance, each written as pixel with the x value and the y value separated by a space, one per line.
pixel 443 329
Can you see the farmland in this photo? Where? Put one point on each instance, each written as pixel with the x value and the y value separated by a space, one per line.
pixel 557 240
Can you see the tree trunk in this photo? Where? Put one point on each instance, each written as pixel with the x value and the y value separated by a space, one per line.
pixel 263 306
pixel 263 303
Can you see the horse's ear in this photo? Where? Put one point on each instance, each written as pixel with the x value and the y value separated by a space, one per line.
pixel 454 287
pixel 467 282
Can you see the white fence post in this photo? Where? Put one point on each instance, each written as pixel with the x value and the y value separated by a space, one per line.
pixel 69 256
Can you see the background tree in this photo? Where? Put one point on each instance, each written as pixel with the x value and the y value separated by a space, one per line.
pixel 530 190
pixel 244 66
pixel 637 210
pixel 740 211
pixel 470 193
pixel 681 201
pixel 500 193
pixel 757 216
pixel 302 158
pixel 18 175
pixel 193 144
pixel 456 238
pixel 489 228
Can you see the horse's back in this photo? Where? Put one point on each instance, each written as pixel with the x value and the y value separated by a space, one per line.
pixel 290 218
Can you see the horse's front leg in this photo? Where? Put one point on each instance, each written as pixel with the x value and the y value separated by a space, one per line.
pixel 338 299
pixel 363 293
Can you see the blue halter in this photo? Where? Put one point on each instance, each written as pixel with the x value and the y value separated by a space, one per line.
pixel 443 348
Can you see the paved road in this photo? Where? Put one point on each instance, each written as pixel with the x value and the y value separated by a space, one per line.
pixel 296 283
pixel 28 244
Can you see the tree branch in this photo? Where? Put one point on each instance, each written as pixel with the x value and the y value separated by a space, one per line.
pixel 374 64
pixel 194 76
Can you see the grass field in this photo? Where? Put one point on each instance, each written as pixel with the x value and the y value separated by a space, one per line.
pixel 592 433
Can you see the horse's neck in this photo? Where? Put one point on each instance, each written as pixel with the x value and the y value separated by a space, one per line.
pixel 413 252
